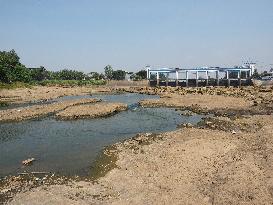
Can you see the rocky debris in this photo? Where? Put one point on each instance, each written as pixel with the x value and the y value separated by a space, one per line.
pixel 138 141
pixel 233 132
pixel 28 162
pixel 10 185
pixel 229 125
pixel 91 111
pixel 187 125
pixel 187 113
pixel 36 111
pixel 144 139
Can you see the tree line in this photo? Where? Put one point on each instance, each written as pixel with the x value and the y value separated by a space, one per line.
pixel 12 70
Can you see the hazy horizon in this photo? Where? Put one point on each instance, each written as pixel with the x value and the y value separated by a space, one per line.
pixel 88 35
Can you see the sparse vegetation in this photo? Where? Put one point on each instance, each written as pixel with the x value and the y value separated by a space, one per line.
pixel 71 82
pixel 13 74
pixel 15 85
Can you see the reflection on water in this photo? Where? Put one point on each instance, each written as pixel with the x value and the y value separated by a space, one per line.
pixel 70 147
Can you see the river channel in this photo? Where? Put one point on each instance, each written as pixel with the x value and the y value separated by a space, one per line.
pixel 71 147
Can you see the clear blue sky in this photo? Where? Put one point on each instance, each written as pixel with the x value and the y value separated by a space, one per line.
pixel 129 34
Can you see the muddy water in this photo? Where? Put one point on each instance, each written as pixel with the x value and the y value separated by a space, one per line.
pixel 70 147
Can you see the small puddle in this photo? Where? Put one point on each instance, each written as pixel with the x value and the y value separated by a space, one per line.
pixel 71 147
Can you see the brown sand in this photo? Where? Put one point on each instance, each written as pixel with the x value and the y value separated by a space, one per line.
pixel 203 101
pixel 209 164
pixel 91 111
pixel 38 93
pixel 187 166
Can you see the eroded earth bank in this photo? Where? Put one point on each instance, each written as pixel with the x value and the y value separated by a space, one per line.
pixel 226 159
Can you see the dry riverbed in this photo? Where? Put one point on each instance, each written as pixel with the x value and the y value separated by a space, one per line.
pixel 226 159
pixel 205 101
pixel 43 93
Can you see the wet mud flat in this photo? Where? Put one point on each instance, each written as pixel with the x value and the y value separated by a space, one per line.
pixel 224 159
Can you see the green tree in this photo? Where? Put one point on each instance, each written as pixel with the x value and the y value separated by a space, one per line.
pixel 135 77
pixel 119 75
pixel 69 75
pixel 21 73
pixel 11 69
pixel 39 74
pixel 108 70
pixel 142 74
pixel 95 75
pixel 102 76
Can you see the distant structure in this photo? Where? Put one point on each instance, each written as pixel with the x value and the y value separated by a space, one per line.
pixel 250 65
pixel 128 75
pixel 203 76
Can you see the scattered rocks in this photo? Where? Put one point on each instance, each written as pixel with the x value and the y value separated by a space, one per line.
pixel 226 124
pixel 187 125
pixel 28 162
pixel 187 113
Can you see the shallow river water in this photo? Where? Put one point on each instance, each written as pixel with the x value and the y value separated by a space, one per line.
pixel 70 147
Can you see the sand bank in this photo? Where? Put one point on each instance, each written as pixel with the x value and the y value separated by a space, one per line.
pixel 91 111
pixel 35 111
pixel 204 101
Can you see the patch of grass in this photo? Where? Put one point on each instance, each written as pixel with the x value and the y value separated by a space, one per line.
pixel 52 83
pixel 14 85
